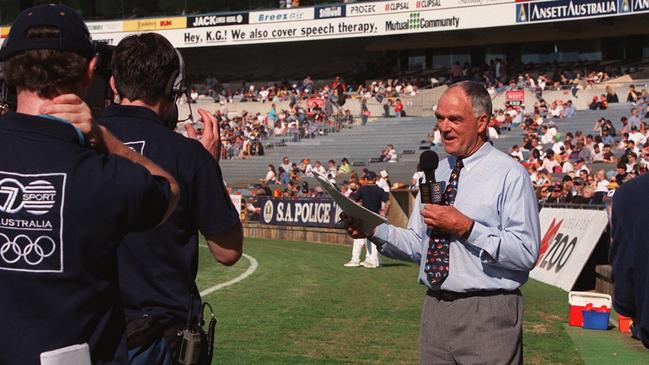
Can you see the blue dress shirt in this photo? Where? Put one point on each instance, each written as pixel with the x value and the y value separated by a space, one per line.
pixel 495 191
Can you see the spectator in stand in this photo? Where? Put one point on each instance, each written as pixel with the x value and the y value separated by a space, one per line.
pixel 306 168
pixel 631 162
pixel 611 96
pixel 384 181
pixel 416 177
pixel 365 111
pixel 286 164
pixel 632 96
pixel 546 135
pixel 516 153
pixel 332 171
pixel 388 154
pixel 271 176
pixel 635 120
pixel 550 163
pixel 608 155
pixel 345 168
pixel 637 137
pixel 318 168
pixel 601 187
pixel 272 114
pixel 284 177
pixel 598 154
pixel 398 108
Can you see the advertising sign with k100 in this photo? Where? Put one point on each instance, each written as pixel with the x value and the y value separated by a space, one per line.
pixel 31 222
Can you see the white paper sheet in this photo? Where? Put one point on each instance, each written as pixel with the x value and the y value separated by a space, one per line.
pixel 71 355
pixel 369 220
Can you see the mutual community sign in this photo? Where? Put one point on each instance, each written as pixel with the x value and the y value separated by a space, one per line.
pixel 357 20
pixel 568 238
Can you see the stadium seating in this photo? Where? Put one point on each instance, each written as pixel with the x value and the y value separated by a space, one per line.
pixel 361 144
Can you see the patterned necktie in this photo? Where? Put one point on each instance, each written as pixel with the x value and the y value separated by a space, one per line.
pixel 437 258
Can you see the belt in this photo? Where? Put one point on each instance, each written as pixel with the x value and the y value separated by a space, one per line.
pixel 449 296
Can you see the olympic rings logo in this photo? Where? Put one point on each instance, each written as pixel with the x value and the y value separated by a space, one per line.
pixel 22 247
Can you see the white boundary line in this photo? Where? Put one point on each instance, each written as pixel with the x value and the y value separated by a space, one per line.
pixel 251 269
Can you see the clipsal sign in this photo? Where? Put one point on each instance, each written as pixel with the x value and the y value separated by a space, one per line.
pixel 427 4
pixel 397 6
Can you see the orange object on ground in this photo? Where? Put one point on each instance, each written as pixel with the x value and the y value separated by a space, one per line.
pixel 624 323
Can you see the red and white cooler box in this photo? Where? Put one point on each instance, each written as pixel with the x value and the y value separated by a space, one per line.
pixel 585 301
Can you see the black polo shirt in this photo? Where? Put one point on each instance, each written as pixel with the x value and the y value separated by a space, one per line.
pixel 158 268
pixel 63 210
pixel 371 196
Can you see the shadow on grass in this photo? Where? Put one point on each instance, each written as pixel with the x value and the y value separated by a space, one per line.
pixel 393 264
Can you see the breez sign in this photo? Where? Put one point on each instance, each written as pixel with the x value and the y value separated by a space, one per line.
pixel 569 236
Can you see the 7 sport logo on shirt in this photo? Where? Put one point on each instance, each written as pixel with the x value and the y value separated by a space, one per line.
pixel 37 198
pixel 31 223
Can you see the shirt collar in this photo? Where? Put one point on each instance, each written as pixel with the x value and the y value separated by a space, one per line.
pixel 471 161
pixel 131 111
pixel 33 124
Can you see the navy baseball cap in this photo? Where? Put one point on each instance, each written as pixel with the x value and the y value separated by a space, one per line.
pixel 74 35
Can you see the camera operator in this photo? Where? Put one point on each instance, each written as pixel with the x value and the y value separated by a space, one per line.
pixel 69 191
pixel 158 268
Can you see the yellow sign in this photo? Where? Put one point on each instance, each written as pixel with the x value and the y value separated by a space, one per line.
pixel 4 32
pixel 155 24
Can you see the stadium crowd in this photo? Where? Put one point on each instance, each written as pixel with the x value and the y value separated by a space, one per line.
pixel 306 88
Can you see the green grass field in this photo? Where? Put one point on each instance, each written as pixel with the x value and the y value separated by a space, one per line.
pixel 301 306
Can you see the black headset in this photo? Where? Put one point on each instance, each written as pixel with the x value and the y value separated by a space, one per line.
pixel 176 88
pixel 176 84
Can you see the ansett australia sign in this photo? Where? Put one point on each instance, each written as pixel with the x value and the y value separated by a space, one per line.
pixel 564 9
pixel 300 212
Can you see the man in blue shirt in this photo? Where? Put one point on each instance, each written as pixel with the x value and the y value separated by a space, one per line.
pixel 157 269
pixel 475 250
pixel 69 191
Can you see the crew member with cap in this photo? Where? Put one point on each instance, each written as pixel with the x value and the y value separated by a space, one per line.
pixel 373 198
pixel 157 269
pixel 474 251
pixel 69 191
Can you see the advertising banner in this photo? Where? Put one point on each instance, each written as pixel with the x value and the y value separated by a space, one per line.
pixel 330 23
pixel 367 19
pixel 282 15
pixel 105 27
pixel 564 9
pixel 142 25
pixel 569 236
pixel 300 212
pixel 236 201
pixel 515 98
pixel 217 20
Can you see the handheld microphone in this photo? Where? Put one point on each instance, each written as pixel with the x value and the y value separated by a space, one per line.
pixel 431 191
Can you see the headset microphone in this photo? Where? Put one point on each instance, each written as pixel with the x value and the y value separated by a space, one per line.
pixel 174 90
pixel 431 192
